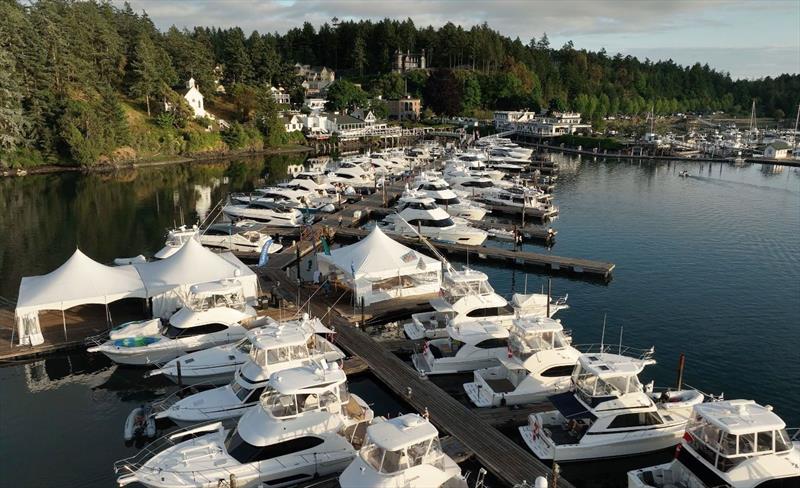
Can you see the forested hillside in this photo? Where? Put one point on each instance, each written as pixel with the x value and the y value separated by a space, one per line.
pixel 83 82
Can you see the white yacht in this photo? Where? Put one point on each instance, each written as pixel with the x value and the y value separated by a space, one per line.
pixel 440 191
pixel 241 236
pixel 296 196
pixel 456 170
pixel 273 350
pixel 402 452
pixel 212 315
pixel 217 365
pixel 474 186
pixel 469 346
pixel 732 444
pixel 466 295
pixel 541 363
pixel 357 173
pixel 608 413
pixel 298 431
pixel 268 212
pixel 420 214
pixel 519 197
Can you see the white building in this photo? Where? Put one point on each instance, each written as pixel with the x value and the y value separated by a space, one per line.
pixel 315 123
pixel 292 122
pixel 503 119
pixel 777 150
pixel 367 116
pixel 195 99
pixel 556 124
pixel 280 96
pixel 315 104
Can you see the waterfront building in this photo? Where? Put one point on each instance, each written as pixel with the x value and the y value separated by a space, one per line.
pixel 556 124
pixel 777 150
pixel 292 122
pixel 404 108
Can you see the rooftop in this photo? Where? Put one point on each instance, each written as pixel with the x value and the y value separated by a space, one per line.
pixel 400 432
pixel 606 365
pixel 740 416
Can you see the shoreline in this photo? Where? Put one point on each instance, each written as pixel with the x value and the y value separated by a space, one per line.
pixel 151 162
pixel 607 155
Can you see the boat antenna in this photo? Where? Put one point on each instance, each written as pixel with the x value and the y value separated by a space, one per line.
pixel 526 283
pixel 603 335
pixel 620 340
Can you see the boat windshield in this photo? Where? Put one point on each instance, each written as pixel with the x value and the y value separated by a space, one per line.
pixel 288 405
pixel 240 391
pixel 231 299
pixel 726 450
pixel 244 346
pixel 455 289
pixel 382 460
pixel 525 345
pixel 589 385
pixel 278 355
pixel 421 205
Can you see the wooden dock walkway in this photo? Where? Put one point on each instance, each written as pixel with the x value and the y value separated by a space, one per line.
pixel 508 461
pixel 556 264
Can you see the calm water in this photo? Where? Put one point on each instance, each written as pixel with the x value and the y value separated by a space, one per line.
pixel 708 266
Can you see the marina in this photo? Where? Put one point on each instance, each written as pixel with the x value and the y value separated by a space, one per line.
pixel 479 431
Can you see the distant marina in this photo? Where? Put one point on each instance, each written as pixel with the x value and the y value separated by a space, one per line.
pixel 466 323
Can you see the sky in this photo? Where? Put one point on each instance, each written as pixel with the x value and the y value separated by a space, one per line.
pixel 748 39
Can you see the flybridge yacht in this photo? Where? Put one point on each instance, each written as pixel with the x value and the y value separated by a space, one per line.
pixel 519 197
pixel 469 346
pixel 402 452
pixel 466 295
pixel 272 350
pixel 268 212
pixel 298 431
pixel 440 191
pixel 459 169
pixel 212 315
pixel 733 444
pixel 242 236
pixel 357 173
pixel 541 362
pixel 296 197
pixel 608 413
pixel 474 186
pixel 217 365
pixel 417 213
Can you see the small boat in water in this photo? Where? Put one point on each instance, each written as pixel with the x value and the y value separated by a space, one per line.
pixel 200 324
pixel 467 295
pixel 217 365
pixel 733 444
pixel 608 413
pixel 470 346
pixel 140 424
pixel 541 363
pixel 301 429
pixel 402 452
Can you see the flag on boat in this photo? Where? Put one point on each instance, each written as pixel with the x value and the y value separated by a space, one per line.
pixel 264 257
pixel 326 248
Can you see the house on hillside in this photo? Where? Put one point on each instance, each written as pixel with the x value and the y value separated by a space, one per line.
pixel 408 61
pixel 777 150
pixel 281 97
pixel 292 122
pixel 343 123
pixel 315 104
pixel 315 123
pixel 366 115
pixel 195 99
pixel 404 108
pixel 316 79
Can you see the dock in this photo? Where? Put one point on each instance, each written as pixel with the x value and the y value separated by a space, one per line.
pixel 508 461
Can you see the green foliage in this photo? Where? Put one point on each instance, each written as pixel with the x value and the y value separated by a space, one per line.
pixel 586 142
pixel 344 95
pixel 239 136
pixel 379 108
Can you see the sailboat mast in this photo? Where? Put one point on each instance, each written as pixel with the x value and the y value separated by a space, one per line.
pixel 794 136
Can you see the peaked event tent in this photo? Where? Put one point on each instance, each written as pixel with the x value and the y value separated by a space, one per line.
pixel 82 280
pixel 377 257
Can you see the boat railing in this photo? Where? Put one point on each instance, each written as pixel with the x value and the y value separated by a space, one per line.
pixel 96 340
pixel 137 461
pixel 168 401
pixel 794 434
pixel 636 353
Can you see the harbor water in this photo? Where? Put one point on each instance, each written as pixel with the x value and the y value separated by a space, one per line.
pixel 707 265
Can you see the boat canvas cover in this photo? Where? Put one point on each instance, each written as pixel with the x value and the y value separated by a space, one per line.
pixel 569 406
pixel 79 281
pixel 376 257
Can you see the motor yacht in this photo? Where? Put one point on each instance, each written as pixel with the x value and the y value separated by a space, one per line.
pixel 608 413
pixel 241 236
pixel 217 365
pixel 357 173
pixel 467 295
pixel 517 196
pixel 275 349
pixel 300 429
pixel 402 452
pixel 268 212
pixel 440 191
pixel 733 444
pixel 455 170
pixel 474 186
pixel 418 214
pixel 297 197
pixel 212 315
pixel 469 346
pixel 541 363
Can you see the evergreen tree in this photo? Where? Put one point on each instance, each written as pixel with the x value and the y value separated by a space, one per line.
pixel 145 78
pixel 13 125
pixel 360 55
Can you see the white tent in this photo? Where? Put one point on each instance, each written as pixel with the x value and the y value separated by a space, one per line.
pixel 79 281
pixel 378 258
pixel 168 281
